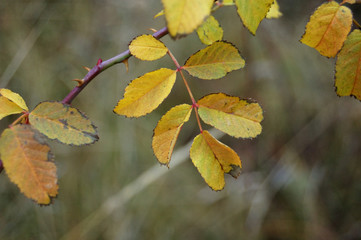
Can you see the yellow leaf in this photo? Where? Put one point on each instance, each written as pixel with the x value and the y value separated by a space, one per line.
pixel 185 16
pixel 147 47
pixel 145 93
pixel 227 2
pixel 212 159
pixel 328 28
pixel 210 31
pixel 274 11
pixel 29 163
pixel 161 13
pixel 350 1
pixel 11 103
pixel 348 67
pixel 253 12
pixel 214 61
pixel 167 131
pixel 236 117
pixel 206 163
pixel 63 123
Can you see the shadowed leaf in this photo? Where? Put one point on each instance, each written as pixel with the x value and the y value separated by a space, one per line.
pixel 236 117
pixel 210 31
pixel 253 12
pixel 63 123
pixel 29 163
pixel 145 93
pixel 348 67
pixel 167 131
pixel 328 28
pixel 11 103
pixel 214 61
pixel 147 47
pixel 185 16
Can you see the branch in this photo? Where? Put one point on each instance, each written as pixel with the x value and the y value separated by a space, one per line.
pixel 103 65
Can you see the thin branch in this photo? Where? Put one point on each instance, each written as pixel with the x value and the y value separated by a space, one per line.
pixel 103 65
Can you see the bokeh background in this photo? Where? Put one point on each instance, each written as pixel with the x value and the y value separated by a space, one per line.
pixel 301 176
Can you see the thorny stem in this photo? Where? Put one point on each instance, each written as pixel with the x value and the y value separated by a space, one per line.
pixel 103 65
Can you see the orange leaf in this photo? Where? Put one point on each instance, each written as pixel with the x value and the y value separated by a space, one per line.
pixel 214 61
pixel 328 28
pixel 29 163
pixel 145 93
pixel 167 131
pixel 348 67
pixel 212 159
pixel 234 116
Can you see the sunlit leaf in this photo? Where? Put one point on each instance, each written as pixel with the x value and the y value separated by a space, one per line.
pixel 253 12
pixel 145 93
pixel 210 31
pixel 185 16
pixel 214 61
pixel 236 117
pixel 328 28
pixel 212 159
pixel 274 11
pixel 167 131
pixel 348 67
pixel 29 163
pixel 63 123
pixel 147 47
pixel 11 103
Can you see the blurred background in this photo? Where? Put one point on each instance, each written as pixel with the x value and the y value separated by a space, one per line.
pixel 301 176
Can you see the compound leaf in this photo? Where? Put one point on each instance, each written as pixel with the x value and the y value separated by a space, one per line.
pixel 210 31
pixel 236 117
pixel 212 159
pixel 253 12
pixel 185 16
pixel 328 28
pixel 147 47
pixel 145 93
pixel 167 131
pixel 274 11
pixel 348 67
pixel 214 61
pixel 63 123
pixel 29 163
pixel 11 103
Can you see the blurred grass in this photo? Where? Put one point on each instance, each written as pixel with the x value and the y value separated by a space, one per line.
pixel 300 176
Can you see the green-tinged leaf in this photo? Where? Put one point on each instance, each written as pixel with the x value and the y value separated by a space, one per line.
pixel 145 93
pixel 185 16
pixel 348 67
pixel 147 47
pixel 274 11
pixel 63 123
pixel 328 28
pixel 29 163
pixel 167 131
pixel 253 12
pixel 210 31
pixel 214 61
pixel 11 103
pixel 205 161
pixel 236 117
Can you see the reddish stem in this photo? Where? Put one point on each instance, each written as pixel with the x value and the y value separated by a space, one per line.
pixel 102 65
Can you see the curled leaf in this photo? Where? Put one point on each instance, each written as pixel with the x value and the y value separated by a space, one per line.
pixel 328 28
pixel 145 93
pixel 29 163
pixel 11 103
pixel 167 131
pixel 63 123
pixel 214 61
pixel 234 116
pixel 147 47
pixel 348 67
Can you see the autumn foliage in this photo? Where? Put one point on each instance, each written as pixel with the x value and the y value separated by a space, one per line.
pixel 29 163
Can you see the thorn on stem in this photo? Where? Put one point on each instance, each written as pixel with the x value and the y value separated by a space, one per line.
pixel 79 81
pixel 86 68
pixel 126 63
pixel 153 30
pixel 99 61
